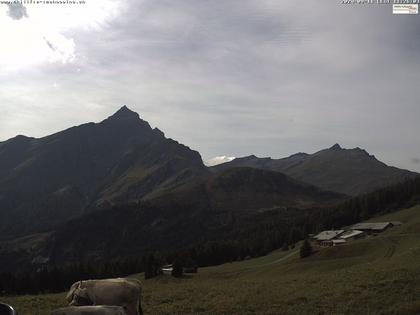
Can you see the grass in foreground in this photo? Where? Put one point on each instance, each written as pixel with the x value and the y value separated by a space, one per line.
pixel 378 275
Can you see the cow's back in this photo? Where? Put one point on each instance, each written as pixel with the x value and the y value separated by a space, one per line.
pixel 90 310
pixel 115 292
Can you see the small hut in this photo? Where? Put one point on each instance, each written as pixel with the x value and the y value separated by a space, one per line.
pixel 325 237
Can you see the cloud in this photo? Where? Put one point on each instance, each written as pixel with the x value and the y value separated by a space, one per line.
pixel 219 160
pixel 16 11
pixel 52 47
pixel 62 49
pixel 415 160
pixel 46 35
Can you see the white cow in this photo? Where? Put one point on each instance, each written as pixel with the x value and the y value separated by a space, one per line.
pixel 119 292
pixel 90 310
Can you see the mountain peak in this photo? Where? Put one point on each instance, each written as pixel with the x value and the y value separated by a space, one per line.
pixel 127 119
pixel 336 147
pixel 125 113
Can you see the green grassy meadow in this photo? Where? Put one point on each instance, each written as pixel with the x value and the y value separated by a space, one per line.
pixel 376 275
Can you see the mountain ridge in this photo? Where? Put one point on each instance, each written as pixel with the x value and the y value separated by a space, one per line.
pixel 347 171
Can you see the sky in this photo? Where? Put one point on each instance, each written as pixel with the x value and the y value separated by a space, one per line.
pixel 227 78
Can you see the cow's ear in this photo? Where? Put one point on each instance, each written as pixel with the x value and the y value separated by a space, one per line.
pixel 78 285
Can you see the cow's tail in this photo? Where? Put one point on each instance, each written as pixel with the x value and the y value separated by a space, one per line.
pixel 140 285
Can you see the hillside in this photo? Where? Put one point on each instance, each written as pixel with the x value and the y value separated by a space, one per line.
pixel 377 275
pixel 244 189
pixel 347 171
pixel 47 181
pixel 205 210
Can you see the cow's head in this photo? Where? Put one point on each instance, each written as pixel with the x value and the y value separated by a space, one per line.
pixel 78 295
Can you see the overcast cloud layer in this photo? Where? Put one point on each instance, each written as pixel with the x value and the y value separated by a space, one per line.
pixel 233 78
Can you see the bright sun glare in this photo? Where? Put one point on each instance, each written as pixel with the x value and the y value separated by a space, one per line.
pixel 44 35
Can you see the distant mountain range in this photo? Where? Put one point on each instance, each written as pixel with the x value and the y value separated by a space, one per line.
pixel 347 171
pixel 119 187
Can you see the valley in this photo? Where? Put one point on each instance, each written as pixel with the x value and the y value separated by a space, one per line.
pixel 376 275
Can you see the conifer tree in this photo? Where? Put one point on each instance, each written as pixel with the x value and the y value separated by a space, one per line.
pixel 306 249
